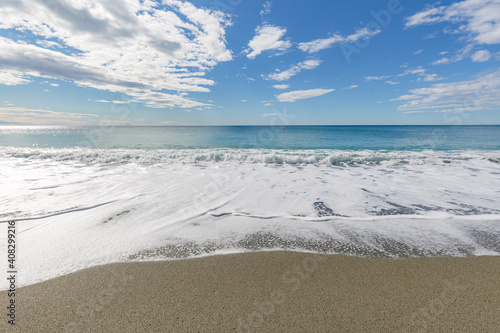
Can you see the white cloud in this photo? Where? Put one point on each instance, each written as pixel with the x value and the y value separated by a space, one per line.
pixel 159 100
pixel 139 48
pixel 431 35
pixel 376 78
pixel 285 75
pixel 405 98
pixel 480 93
pixel 267 37
pixel 443 53
pixel 106 101
pixel 460 55
pixel 416 71
pixel 443 61
pixel 479 19
pixel 12 78
pixel 270 114
pixel 267 104
pixel 418 52
pixel 321 44
pixel 409 112
pixel 48 43
pixel 481 56
pixel 352 87
pixel 170 122
pixel 430 15
pixel 309 64
pixel 20 115
pixel 244 100
pixel 293 96
pixel 431 77
pixel 267 9
pixel 54 84
pixel 281 86
pixel 422 73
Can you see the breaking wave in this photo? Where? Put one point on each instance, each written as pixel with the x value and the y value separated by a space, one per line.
pixel 248 156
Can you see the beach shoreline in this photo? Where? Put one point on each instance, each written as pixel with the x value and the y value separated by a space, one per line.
pixel 269 291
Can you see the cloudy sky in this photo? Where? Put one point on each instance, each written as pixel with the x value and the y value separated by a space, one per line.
pixel 245 62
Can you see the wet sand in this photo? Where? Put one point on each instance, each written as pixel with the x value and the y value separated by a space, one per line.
pixel 269 292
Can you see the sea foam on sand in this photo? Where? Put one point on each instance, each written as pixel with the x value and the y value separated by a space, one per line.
pixel 80 208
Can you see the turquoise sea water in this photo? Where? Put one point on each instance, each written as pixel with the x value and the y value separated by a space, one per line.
pixel 267 137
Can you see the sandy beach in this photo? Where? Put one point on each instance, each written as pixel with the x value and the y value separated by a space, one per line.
pixel 270 292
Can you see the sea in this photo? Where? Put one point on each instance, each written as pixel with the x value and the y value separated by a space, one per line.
pixel 86 196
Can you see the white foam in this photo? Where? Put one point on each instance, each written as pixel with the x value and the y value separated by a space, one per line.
pixel 246 156
pixel 72 214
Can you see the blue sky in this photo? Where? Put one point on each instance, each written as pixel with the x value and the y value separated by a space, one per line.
pixel 242 62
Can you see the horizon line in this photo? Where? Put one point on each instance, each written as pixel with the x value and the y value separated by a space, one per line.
pixel 235 125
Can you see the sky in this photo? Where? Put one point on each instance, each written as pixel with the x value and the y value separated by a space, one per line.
pixel 249 62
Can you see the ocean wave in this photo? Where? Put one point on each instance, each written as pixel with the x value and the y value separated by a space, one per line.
pixel 247 156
